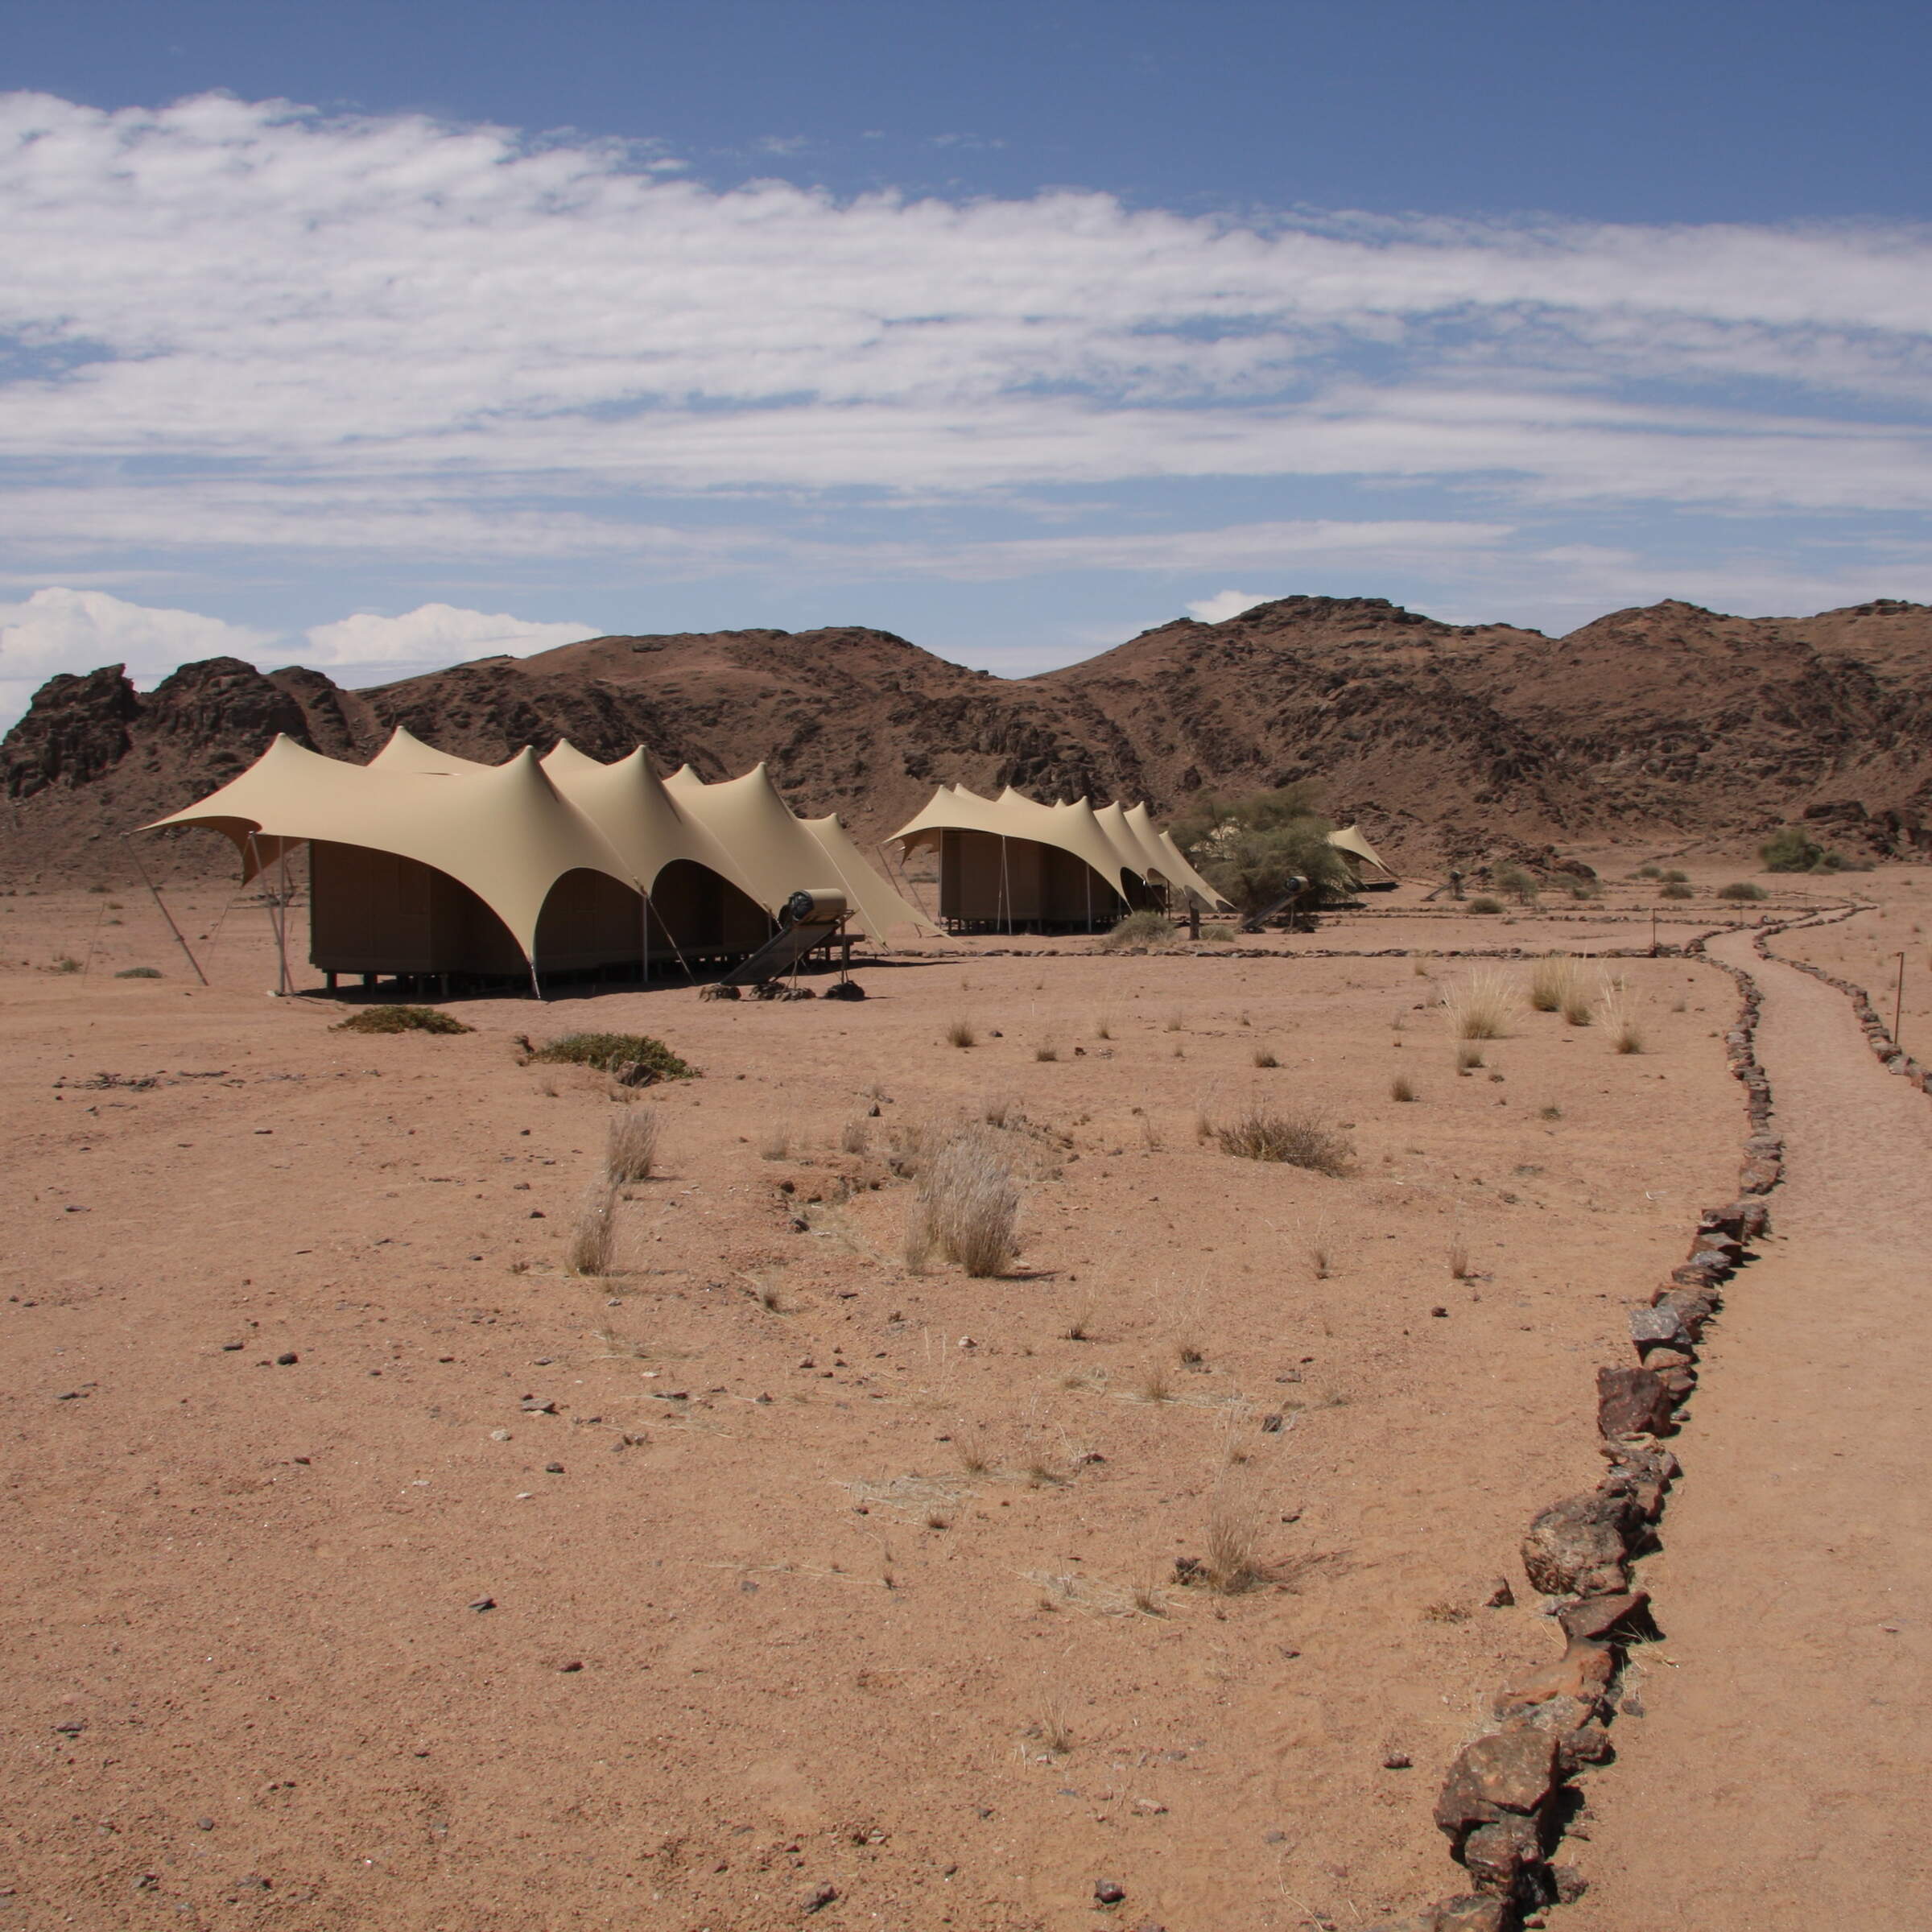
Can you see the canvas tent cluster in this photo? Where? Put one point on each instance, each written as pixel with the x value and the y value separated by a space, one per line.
pixel 424 865
pixel 1012 863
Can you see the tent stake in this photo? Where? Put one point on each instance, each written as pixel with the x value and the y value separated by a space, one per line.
pixel 134 852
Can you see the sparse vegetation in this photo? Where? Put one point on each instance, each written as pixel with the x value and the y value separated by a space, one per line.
pixel 1520 884
pixel 593 1233
pixel 1481 1007
pixel 1550 979
pixel 1469 1056
pixel 1794 850
pixel 632 1059
pixel 1139 929
pixel 1675 889
pixel 1232 1563
pixel 138 972
pixel 967 1208
pixel 855 1136
pixel 1743 889
pixel 1263 1057
pixel 1250 848
pixel 1578 1007
pixel 1402 1088
pixel 1221 935
pixel 1550 1111
pixel 1261 1132
pixel 1484 904
pixel 961 1032
pixel 775 1143
pixel 630 1148
pixel 1047 1050
pixel 1676 878
pixel 390 1019
pixel 66 963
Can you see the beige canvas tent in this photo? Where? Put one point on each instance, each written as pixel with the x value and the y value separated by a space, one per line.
pixel 1348 838
pixel 777 855
pixel 420 874
pixel 1011 862
pixel 701 902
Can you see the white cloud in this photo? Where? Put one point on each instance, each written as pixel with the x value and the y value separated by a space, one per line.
pixel 320 332
pixel 1226 603
pixel 58 630
pixel 434 633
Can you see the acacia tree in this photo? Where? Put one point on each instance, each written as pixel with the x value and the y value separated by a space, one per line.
pixel 1252 847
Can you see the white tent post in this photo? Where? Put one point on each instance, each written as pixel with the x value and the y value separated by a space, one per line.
pixel 275 922
pixel 288 982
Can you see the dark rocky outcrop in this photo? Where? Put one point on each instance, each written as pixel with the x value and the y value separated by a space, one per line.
pixel 1455 744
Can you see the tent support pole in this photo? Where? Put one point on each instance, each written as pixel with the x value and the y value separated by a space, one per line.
pixel 671 938
pixel 1005 887
pixel 536 985
pixel 155 893
pixel 275 914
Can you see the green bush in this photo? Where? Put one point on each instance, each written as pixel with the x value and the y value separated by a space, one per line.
pixel 1742 889
pixel 1520 884
pixel 1795 850
pixel 1649 872
pixel 1140 929
pixel 1483 903
pixel 66 963
pixel 138 972
pixel 1249 848
pixel 400 1019
pixel 1675 889
pixel 634 1059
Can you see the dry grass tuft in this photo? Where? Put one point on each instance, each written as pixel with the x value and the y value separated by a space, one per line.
pixel 974 1452
pixel 593 1235
pixel 776 1144
pixel 1262 1133
pixel 1047 1050
pixel 1175 1022
pixel 1265 1057
pixel 1482 1006
pixel 961 1032
pixel 969 1204
pixel 1401 1087
pixel 1579 1009
pixel 1105 1025
pixel 1551 981
pixel 630 1146
pixel 1458 1257
pixel 1468 1056
pixel 1232 1561
pixel 855 1136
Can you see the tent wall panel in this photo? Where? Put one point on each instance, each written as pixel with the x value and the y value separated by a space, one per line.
pixel 377 912
pixel 589 920
pixel 705 913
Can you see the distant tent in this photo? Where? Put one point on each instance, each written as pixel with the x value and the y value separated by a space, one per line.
pixel 1010 862
pixel 413 873
pixel 777 855
pixel 1348 838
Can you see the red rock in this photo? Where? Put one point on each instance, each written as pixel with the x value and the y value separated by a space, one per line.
pixel 1576 1547
pixel 1631 1401
pixel 1507 1773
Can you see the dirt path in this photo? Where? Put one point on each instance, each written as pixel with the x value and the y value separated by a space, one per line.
pixel 1775 1778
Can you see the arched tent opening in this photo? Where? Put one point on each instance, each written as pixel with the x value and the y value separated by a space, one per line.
pixel 696 913
pixel 590 923
pixel 378 913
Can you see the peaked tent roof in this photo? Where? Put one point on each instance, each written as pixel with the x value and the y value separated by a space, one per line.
pixel 778 855
pixel 507 833
pixel 1349 838
pixel 406 753
pixel 843 850
pixel 628 803
pixel 1110 840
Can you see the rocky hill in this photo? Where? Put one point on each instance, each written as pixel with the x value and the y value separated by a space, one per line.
pixel 1448 742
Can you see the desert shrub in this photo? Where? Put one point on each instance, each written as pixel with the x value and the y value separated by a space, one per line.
pixel 1401 1087
pixel 855 1136
pixel 1140 929
pixel 1482 903
pixel 1581 889
pixel 1649 872
pixel 66 963
pixel 1232 1560
pixel 1620 1024
pixel 961 1032
pixel 1468 1056
pixel 1675 889
pixel 1264 1133
pixel 593 1234
pixel 1520 884
pixel 1578 1007
pixel 138 972
pixel 633 1059
pixel 1249 848
pixel 1742 889
pixel 399 1019
pixel 1264 1056
pixel 968 1208
pixel 1794 850
pixel 1222 935
pixel 1550 979
pixel 1480 1007
pixel 630 1147
pixel 1676 878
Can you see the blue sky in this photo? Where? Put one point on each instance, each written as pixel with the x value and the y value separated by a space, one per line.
pixel 374 336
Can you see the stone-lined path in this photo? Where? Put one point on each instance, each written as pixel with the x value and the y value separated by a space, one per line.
pixel 1780 1775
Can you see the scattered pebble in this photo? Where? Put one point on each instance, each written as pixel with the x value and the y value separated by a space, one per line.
pixel 553 1469
pixel 287 1359
pixel 483 1603
pixel 1106 1892
pixel 1397 1761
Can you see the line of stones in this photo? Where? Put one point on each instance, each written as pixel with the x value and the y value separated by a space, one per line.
pixel 1507 1795
pixel 1878 1036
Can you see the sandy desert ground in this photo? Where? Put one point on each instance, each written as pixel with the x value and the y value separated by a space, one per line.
pixel 818 1588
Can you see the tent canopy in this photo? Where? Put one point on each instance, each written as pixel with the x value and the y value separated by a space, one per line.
pixel 506 832
pixel 1121 846
pixel 1348 838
